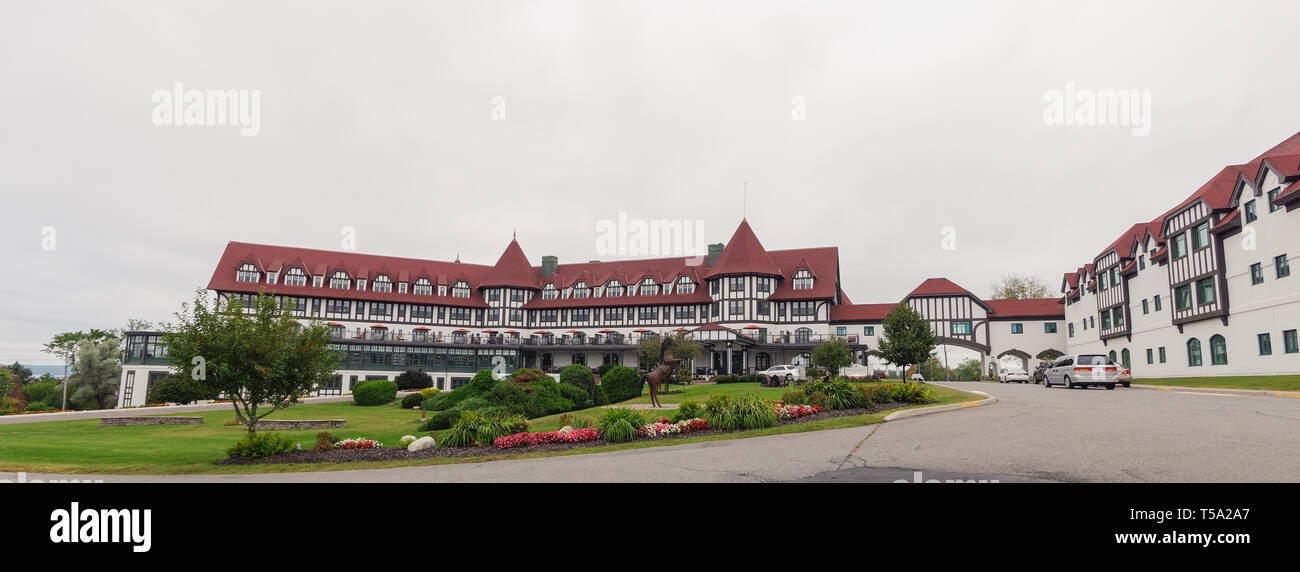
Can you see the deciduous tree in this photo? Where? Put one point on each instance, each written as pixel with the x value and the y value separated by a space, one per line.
pixel 1017 287
pixel 907 338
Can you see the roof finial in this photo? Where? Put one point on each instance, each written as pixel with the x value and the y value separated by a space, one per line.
pixel 515 234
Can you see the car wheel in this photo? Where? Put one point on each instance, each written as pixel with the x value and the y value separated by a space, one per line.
pixel 1126 385
pixel 1110 386
pixel 1069 384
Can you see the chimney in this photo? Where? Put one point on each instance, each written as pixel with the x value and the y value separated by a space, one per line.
pixel 715 250
pixel 548 265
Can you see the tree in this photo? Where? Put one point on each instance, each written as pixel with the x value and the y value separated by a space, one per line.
pixel 261 360
pixel 177 388
pixel 832 354
pixel 968 370
pixel 907 338
pixel 683 348
pixel 22 374
pixel 97 372
pixel 1017 287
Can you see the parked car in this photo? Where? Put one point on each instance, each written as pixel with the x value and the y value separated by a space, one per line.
pixel 1015 374
pixel 918 377
pixel 784 373
pixel 1126 377
pixel 1083 370
pixel 1040 372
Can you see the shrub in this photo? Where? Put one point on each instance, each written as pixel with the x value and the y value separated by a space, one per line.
pixel 604 368
pixel 481 383
pixel 839 393
pixel 819 399
pixel 873 393
pixel 621 383
pixel 795 397
pixel 412 400
pixel 579 396
pixel 476 430
pixel 257 445
pixel 751 378
pixel 38 391
pixel 527 375
pixel 726 378
pixel 689 409
pixel 581 376
pixel 602 398
pixel 814 373
pixel 441 420
pixel 37 406
pixel 325 441
pixel 912 392
pixel 745 411
pixel 414 380
pixel 473 404
pixel 375 392
pixel 429 392
pixel 583 422
pixel 176 389
pixel 618 425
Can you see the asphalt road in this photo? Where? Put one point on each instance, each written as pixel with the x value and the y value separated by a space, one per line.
pixel 1031 434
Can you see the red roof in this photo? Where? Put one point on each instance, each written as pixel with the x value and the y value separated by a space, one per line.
pixel 512 270
pixel 860 312
pixel 1123 246
pixel 822 262
pixel 1027 308
pixel 713 327
pixel 744 254
pixel 1288 193
pixel 1228 221
pixel 938 287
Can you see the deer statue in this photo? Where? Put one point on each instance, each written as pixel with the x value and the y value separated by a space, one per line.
pixel 662 372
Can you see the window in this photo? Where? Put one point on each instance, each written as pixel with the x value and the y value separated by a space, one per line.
pixel 735 308
pixel 1161 351
pixel 1101 282
pixel 1201 236
pixel 1256 274
pixel 493 295
pixel 421 311
pixel 1273 195
pixel 1070 327
pixel 1049 328
pixel 762 361
pixel 649 287
pixel 1146 308
pixel 961 328
pixel 247 273
pixel 1251 216
pixel 382 283
pixel 1105 320
pixel 841 331
pixel 580 290
pixel 648 313
pixel 317 281
pixel 1149 357
pixel 715 309
pixel 547 316
pixel 803 308
pixel 1280 265
pixel 401 287
pixel 763 284
pixel 550 292
pixel 1113 357
pixel 1218 350
pixel 581 315
pixel 423 287
pixel 737 284
pixel 868 330
pixel 516 295
pixel 1017 328
pixel 1204 291
pixel 340 281
pixel 613 314
pixel 380 309
pixel 803 280
pixel 1183 297
pixel 1156 299
pixel 460 289
pixel 1289 342
pixel 442 289
pixel 361 284
pixel 1178 247
pixel 685 312
pixel 1193 352
pixel 685 286
pixel 764 308
pixel 614 289
pixel 802 336
pixel 516 315
pixel 1265 345
pixel 714 287
pixel 1118 314
pixel 1126 358
pixel 295 277
pixel 459 314
pixel 1142 262
pixel 338 307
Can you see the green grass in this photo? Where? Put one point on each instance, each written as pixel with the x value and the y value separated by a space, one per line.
pixel 1265 382
pixel 82 446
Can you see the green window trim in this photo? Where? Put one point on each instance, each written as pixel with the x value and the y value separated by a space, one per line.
pixel 1193 352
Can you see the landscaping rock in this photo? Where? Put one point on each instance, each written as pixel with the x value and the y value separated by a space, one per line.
pixel 566 429
pixel 421 444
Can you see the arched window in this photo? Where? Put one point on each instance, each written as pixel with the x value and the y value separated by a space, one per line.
pixel 580 290
pixel 803 335
pixel 341 281
pixel 423 287
pixel 248 273
pixel 1124 355
pixel 382 283
pixel 762 361
pixel 613 289
pixel 1113 357
pixel 803 280
pixel 685 286
pixel 1218 350
pixel 460 289
pixel 1193 352
pixel 295 277
pixel 649 287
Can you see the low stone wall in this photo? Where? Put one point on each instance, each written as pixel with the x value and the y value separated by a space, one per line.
pixel 129 421
pixel 292 424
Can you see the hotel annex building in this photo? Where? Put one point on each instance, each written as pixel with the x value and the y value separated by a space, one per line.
pixel 1203 289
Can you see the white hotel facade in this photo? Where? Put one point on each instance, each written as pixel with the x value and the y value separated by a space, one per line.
pixel 1202 290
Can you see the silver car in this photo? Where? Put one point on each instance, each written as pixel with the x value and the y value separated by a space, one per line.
pixel 1082 370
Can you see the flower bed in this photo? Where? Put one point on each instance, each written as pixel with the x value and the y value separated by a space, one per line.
pixel 663 428
pixel 785 412
pixel 544 437
pixel 358 443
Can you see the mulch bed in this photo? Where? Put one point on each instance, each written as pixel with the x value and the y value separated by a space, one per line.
pixel 401 454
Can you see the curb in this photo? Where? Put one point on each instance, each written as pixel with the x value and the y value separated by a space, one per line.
pixel 904 414
pixel 1255 392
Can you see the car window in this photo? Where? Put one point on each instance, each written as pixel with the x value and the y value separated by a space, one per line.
pixel 1094 360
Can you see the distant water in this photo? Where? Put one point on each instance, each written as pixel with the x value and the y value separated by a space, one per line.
pixel 38 370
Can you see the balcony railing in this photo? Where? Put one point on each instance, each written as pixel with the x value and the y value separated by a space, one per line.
pixel 486 339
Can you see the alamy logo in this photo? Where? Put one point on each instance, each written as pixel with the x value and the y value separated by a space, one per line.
pixel 1099 107
pixel 130 526
pixel 209 107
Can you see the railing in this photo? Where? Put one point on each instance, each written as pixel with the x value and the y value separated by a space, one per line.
pixel 486 339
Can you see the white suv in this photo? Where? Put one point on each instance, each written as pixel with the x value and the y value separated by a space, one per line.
pixel 784 373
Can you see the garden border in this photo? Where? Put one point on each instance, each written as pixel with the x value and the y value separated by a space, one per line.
pixel 904 414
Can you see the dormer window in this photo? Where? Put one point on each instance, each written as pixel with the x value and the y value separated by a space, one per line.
pixel 649 287
pixel 317 281
pixel 382 284
pixel 341 281
pixel 613 289
pixel 442 289
pixel 460 290
pixel 550 292
pixel 803 280
pixel 423 287
pixel 401 287
pixel 361 284
pixel 685 286
pixel 248 273
pixel 580 290
pixel 272 277
pixel 295 277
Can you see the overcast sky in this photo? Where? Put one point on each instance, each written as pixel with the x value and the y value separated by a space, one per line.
pixel 379 115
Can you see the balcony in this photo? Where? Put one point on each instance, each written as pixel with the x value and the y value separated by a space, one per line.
pixel 492 340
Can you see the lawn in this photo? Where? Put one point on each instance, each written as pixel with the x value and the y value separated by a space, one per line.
pixel 82 446
pixel 1265 382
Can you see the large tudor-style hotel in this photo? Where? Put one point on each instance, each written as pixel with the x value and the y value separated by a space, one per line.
pixel 1170 297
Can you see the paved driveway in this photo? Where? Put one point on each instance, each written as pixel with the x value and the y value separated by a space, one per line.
pixel 1032 433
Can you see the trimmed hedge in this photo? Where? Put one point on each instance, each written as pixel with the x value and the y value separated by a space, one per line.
pixel 414 380
pixel 375 392
pixel 581 376
pixel 264 444
pixel 621 383
pixel 412 400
